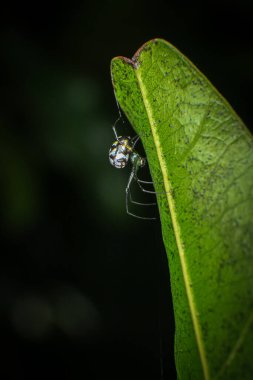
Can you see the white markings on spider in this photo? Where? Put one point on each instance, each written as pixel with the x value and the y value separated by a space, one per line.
pixel 121 152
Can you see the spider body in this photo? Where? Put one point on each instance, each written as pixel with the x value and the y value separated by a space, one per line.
pixel 121 151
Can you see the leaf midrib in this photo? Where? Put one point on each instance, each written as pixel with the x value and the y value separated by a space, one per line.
pixel 176 227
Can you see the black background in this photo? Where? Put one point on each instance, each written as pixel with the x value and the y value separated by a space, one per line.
pixel 84 287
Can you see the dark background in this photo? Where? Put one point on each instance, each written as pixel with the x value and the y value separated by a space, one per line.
pixel 84 287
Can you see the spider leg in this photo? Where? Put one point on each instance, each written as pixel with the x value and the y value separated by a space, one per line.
pixel 114 128
pixel 131 177
pixel 139 181
pixel 150 191
pixel 139 203
pixel 147 182
pixel 136 138
pixel 142 188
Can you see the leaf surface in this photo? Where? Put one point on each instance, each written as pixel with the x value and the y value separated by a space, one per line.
pixel 201 160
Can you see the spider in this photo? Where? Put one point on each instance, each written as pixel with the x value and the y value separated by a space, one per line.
pixel 121 151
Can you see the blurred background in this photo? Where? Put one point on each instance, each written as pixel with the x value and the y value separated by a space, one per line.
pixel 84 288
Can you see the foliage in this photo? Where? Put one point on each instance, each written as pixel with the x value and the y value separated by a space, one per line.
pixel 201 160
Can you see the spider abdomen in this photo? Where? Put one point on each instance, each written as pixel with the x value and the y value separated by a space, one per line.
pixel 120 151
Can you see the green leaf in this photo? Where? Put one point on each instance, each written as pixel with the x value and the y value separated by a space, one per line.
pixel 201 157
